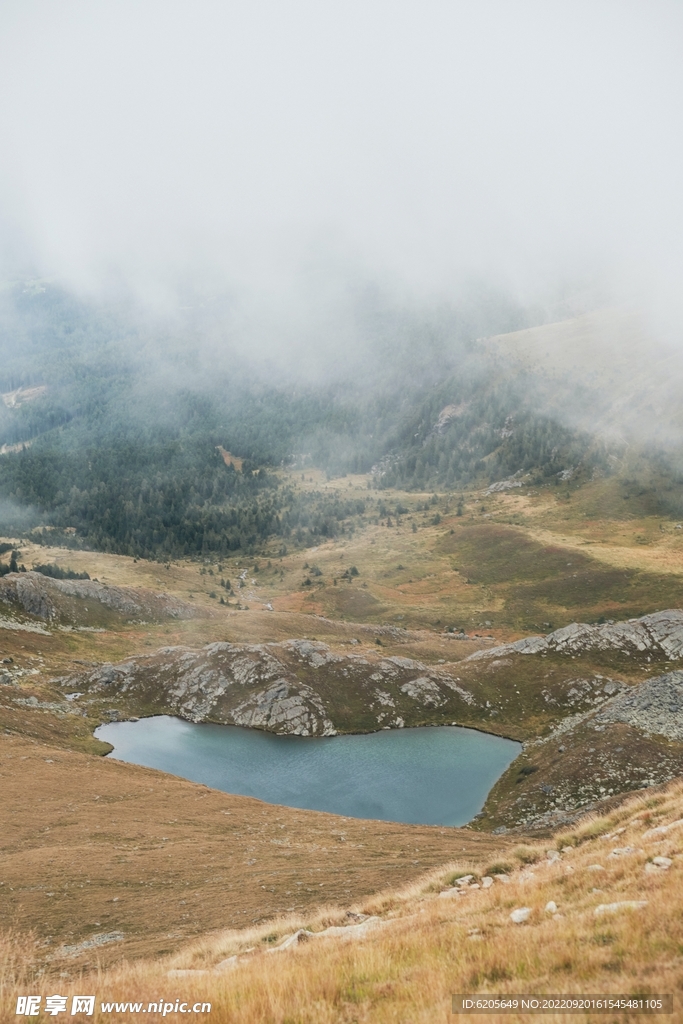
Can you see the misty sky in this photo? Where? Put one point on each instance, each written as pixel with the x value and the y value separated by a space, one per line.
pixel 420 143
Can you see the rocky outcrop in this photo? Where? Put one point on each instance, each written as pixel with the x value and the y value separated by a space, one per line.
pixel 276 710
pixel 503 485
pixel 656 706
pixel 424 689
pixel 659 633
pixel 66 600
pixel 300 687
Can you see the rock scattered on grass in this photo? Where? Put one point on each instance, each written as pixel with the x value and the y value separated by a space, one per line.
pixel 658 864
pixel 520 915
pixel 661 830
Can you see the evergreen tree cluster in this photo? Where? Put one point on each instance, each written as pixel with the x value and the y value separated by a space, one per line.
pixel 121 451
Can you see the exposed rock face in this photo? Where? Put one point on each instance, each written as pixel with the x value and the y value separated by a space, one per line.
pixel 656 706
pixel 276 711
pixel 661 633
pixel 65 600
pixel 299 687
pixel 423 688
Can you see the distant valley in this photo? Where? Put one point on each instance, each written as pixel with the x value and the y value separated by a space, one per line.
pixel 471 559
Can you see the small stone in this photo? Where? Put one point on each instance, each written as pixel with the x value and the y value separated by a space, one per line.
pixel 567 849
pixel 621 851
pixel 505 879
pixel 595 867
pixel 552 856
pixel 486 882
pixel 463 881
pixel 664 863
pixel 520 915
pixel 551 907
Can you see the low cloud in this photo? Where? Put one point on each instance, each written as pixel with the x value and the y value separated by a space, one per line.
pixel 258 149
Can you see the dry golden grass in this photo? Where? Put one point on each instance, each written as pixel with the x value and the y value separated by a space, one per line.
pixel 101 846
pixel 427 948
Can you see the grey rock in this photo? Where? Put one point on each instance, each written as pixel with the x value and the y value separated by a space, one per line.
pixel 102 939
pixel 661 632
pixel 503 485
pixel 52 600
pixel 423 689
pixel 655 706
pixel 520 915
pixel 270 686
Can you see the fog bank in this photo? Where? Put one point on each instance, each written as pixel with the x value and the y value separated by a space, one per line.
pixel 275 151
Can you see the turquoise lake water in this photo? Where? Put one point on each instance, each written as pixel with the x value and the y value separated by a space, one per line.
pixel 428 776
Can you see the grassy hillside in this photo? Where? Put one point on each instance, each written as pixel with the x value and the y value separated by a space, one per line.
pixel 600 912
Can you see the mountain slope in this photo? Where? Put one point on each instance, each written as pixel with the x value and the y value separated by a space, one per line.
pixel 595 911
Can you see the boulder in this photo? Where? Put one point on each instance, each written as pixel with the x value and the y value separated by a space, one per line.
pixel 520 915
